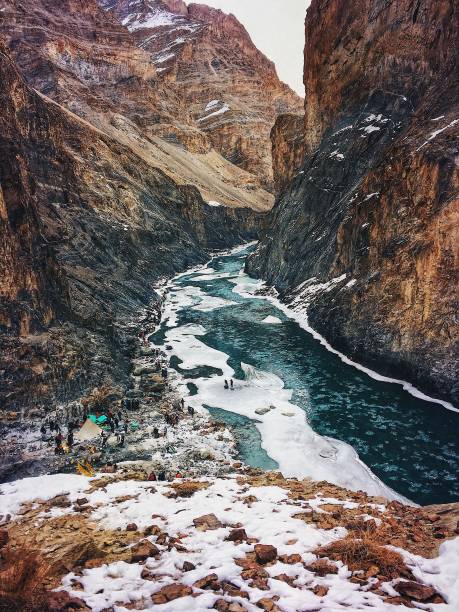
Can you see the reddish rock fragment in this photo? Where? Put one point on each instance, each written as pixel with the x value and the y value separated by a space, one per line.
pixel 236 535
pixel 265 553
pixel 268 604
pixel 131 527
pixel 209 582
pixel 290 559
pixel 61 601
pixel 208 522
pixel 226 606
pixel 143 550
pixel 320 590
pixel 188 566
pixel 414 590
pixel 171 592
pixel 321 567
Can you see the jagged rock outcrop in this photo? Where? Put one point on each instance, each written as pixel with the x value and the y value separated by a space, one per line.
pixel 376 202
pixel 86 228
pixel 207 58
pixel 287 149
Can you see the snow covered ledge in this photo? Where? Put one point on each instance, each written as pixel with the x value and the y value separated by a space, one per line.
pixel 249 541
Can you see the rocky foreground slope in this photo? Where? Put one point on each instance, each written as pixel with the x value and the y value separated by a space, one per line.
pixel 241 543
pixel 374 202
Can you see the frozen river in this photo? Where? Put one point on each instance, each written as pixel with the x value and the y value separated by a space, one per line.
pixel 296 406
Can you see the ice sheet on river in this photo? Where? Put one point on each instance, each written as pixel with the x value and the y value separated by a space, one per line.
pixel 289 440
pixel 285 433
pixel 194 353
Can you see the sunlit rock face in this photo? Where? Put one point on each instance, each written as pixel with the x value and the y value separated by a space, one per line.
pixel 206 57
pixel 84 58
pixel 287 149
pixel 376 196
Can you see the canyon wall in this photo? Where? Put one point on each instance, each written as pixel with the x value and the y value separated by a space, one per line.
pixel 228 88
pixel 375 203
pixel 86 228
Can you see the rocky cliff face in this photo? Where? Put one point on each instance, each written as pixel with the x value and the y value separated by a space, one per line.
pixel 85 59
pixel 375 204
pixel 230 89
pixel 287 149
pixel 86 228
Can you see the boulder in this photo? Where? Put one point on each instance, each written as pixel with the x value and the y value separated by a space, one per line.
pixel 414 590
pixel 236 535
pixel 209 582
pixel 207 522
pixel 268 604
pixel 131 527
pixel 265 553
pixel 171 592
pixel 143 550
pixel 188 566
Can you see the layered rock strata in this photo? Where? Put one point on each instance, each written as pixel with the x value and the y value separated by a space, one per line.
pixel 85 59
pixel 230 89
pixel 86 229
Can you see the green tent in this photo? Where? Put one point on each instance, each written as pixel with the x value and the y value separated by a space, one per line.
pixel 98 420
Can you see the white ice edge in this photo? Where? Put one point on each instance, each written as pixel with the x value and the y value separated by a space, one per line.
pixel 302 319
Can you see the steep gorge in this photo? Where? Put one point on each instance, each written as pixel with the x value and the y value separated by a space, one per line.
pixel 374 202
pixel 87 227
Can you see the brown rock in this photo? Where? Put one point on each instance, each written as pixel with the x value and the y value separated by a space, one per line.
pixel 3 538
pixel 209 582
pixel 61 501
pixel 268 604
pixel 265 553
pixel 285 578
pixel 414 590
pixel 81 501
pixel 143 550
pixel 232 589
pixel 131 527
pixel 291 559
pixel 152 530
pixel 320 590
pixel 207 522
pixel 61 601
pixel 236 535
pixel 147 574
pixel 372 571
pixel 399 601
pixel 321 567
pixel 171 592
pixel 226 606
pixel 254 572
pixel 188 566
